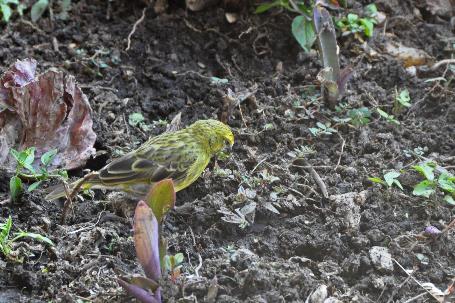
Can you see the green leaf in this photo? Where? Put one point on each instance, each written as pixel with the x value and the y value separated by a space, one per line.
pixel 47 157
pixel 63 173
pixel 388 117
pixel 376 180
pixel 303 32
pixel 15 188
pixel 161 198
pixel 449 199
pixel 391 178
pixel 424 188
pixel 5 230
pixel 41 238
pixel 20 9
pixel 397 183
pixel 368 26
pixel 314 131
pixel 359 116
pixel 403 98
pixel 218 81
pixel 29 158
pixel 266 6
pixel 34 186
pixel 382 113
pixel 352 18
pixel 16 155
pixel 38 9
pixel 135 119
pixel 371 10
pixel 426 169
pixel 6 12
pixel 445 183
pixel 178 258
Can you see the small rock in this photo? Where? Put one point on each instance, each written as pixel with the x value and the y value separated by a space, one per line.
pixel 380 18
pixel 381 258
pixel 411 71
pixel 332 300
pixel 378 283
pixel 319 295
pixel 347 205
pixel 375 235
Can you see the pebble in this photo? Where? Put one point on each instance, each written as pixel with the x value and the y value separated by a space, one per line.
pixel 319 295
pixel 381 258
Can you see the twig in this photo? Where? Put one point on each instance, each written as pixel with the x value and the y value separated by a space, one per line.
pixel 317 179
pixel 241 115
pixel 442 62
pixel 315 166
pixel 342 150
pixel 257 165
pixel 397 289
pixel 415 298
pixel 414 279
pixel 39 30
pixel 70 195
pixel 68 203
pixel 87 227
pixel 134 28
pixel 448 227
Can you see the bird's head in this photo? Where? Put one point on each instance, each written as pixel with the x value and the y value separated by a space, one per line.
pixel 215 134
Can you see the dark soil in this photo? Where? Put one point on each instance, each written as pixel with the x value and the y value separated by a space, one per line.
pixel 313 241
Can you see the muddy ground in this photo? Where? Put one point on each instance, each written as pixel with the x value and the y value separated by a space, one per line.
pixel 314 241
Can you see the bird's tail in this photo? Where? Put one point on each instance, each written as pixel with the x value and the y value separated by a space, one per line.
pixel 58 191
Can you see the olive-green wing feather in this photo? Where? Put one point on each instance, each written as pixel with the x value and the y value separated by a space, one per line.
pixel 152 162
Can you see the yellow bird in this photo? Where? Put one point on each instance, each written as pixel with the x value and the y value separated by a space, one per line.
pixel 182 156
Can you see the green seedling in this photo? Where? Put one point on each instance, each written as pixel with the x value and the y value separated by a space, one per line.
pixel 302 26
pixel 355 117
pixel 390 179
pixel 240 215
pixel 322 129
pixel 445 182
pixel 402 101
pixel 7 10
pixel 38 9
pixel 26 170
pixel 359 116
pixel 418 152
pixel 302 152
pixel 6 243
pixel 173 264
pixel 353 24
pixel 138 120
pixel 388 117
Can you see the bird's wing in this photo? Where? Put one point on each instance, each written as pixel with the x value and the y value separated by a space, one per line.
pixel 153 162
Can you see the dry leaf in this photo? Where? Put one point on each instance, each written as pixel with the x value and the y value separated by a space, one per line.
pixel 47 112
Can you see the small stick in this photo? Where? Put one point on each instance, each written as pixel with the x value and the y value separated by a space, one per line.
pixel 67 204
pixel 448 227
pixel 414 279
pixel 342 150
pixel 134 28
pixel 70 195
pixel 317 179
pixel 442 62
